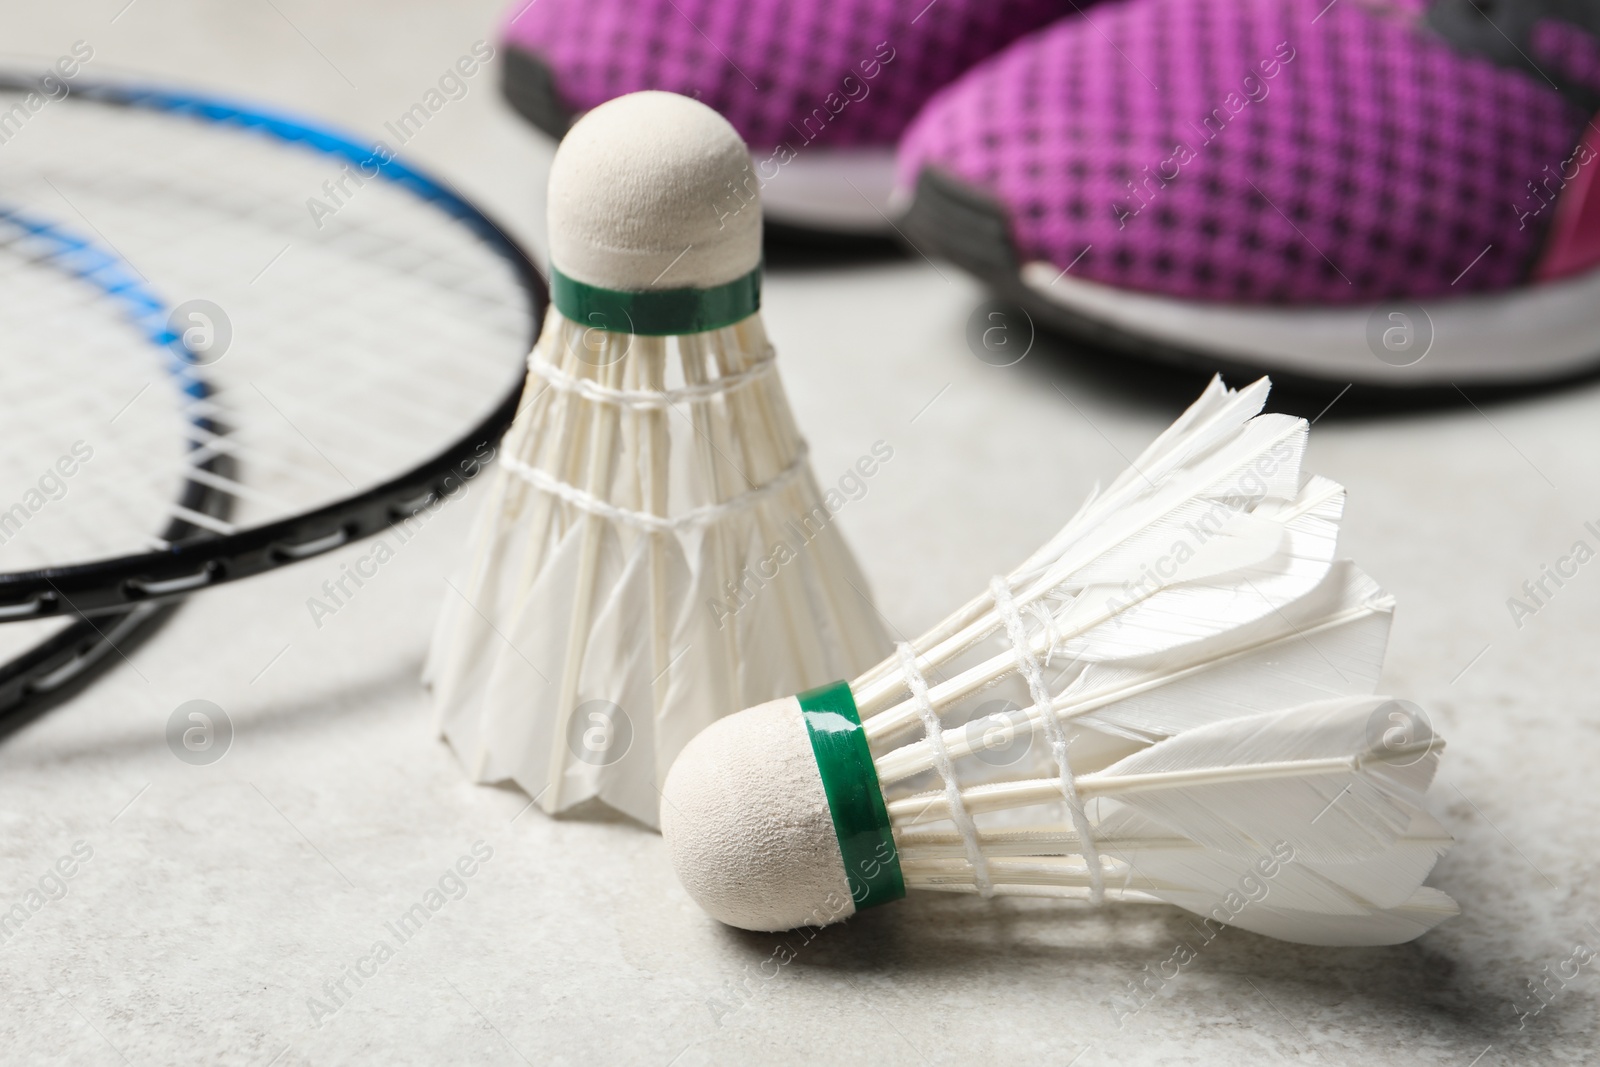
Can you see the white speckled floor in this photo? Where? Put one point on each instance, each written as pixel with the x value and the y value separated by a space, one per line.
pixel 219 899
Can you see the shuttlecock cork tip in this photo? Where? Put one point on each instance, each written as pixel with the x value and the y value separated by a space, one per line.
pixel 748 827
pixel 654 191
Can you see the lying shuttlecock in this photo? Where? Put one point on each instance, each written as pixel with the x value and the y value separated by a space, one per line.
pixel 1178 710
pixel 653 550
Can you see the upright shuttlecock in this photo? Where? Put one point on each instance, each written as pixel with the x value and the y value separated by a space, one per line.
pixel 653 550
pixel 1170 701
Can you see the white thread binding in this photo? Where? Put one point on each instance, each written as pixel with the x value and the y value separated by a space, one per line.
pixel 701 516
pixel 918 685
pixel 1028 664
pixel 561 381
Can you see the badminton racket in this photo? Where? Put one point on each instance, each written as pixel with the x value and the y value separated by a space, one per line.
pixel 230 340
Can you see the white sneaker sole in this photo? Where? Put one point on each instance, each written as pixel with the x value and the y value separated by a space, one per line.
pixel 839 191
pixel 1536 332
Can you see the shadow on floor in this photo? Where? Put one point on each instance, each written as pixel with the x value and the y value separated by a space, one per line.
pixel 789 248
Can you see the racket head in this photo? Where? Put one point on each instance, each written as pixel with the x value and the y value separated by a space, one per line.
pixel 356 353
pixel 240 339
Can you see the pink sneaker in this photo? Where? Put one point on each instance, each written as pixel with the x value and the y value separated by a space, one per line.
pixel 1396 193
pixel 819 89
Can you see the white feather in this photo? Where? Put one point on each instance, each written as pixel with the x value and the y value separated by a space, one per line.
pixel 1189 873
pixel 1290 549
pixel 1327 643
pixel 1190 474
pixel 1260 464
pixel 1276 556
pixel 1319 777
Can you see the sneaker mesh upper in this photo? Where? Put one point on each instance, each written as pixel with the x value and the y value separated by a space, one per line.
pixel 1256 151
pixel 781 72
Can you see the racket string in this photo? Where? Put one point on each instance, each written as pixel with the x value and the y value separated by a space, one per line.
pixel 358 349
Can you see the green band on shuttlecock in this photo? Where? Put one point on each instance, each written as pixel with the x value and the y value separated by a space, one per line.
pixel 855 799
pixel 656 312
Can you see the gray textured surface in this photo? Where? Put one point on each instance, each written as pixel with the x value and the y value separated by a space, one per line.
pixel 220 898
